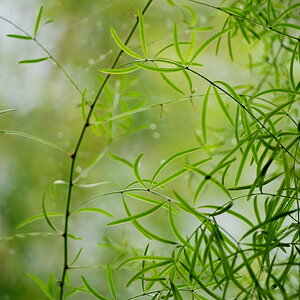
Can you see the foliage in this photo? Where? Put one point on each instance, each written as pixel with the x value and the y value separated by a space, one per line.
pixel 257 145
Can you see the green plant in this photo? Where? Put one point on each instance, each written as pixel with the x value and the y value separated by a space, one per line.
pixel 258 135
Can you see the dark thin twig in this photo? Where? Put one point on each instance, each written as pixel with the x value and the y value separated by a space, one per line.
pixel 75 153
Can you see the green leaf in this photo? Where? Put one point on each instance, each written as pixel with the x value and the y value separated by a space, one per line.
pixel 230 46
pixel 176 293
pixel 94 209
pixel 45 214
pixel 42 285
pixel 174 227
pixel 171 84
pixel 142 33
pixel 176 43
pixel 92 291
pixel 203 114
pixel 158 69
pixel 291 71
pixel 274 218
pixel 148 234
pixel 77 256
pixel 7 110
pixel 21 37
pixel 137 216
pixel 285 12
pixel 222 105
pixel 243 161
pixel 143 198
pixel 144 257
pixel 120 71
pixel 209 177
pixel 179 173
pixel 33 61
pixel 170 159
pixel 148 268
pixel 208 42
pixel 123 46
pixel 289 25
pixel 111 282
pixel 136 170
pixel 83 103
pixel 37 139
pixel 121 159
pixel 188 208
pixel 37 217
pixel 220 209
pixel 38 21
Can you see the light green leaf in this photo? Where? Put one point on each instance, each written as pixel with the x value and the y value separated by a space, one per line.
pixel 37 139
pixel 138 216
pixel 176 293
pixel 171 84
pixel 158 69
pixel 45 214
pixel 136 170
pixel 203 114
pixel 33 61
pixel 179 173
pixel 170 159
pixel 123 46
pixel 111 282
pixel 121 159
pixel 120 71
pixel 7 110
pixel 142 33
pixel 38 21
pixel 94 209
pixel 222 105
pixel 285 12
pixel 21 37
pixel 208 42
pixel 37 217
pixel 42 285
pixel 92 291
pixel 176 43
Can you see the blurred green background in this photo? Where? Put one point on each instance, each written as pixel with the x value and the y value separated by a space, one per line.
pixel 48 106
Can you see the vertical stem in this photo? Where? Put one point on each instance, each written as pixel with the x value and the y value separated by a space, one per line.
pixel 74 156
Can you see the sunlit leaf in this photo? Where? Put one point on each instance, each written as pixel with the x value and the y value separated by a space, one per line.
pixel 38 21
pixel 123 46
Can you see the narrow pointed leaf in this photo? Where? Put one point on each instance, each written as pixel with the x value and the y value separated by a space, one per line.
pixel 208 42
pixel 203 114
pixel 142 33
pixel 45 214
pixel 170 159
pixel 176 293
pixel 136 170
pixel 92 291
pixel 123 46
pixel 32 61
pixel 21 37
pixel 223 107
pixel 171 84
pixel 137 216
pixel 94 209
pixel 176 43
pixel 158 69
pixel 179 173
pixel 42 285
pixel 111 282
pixel 120 71
pixel 38 21
pixel 37 139
pixel 37 217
